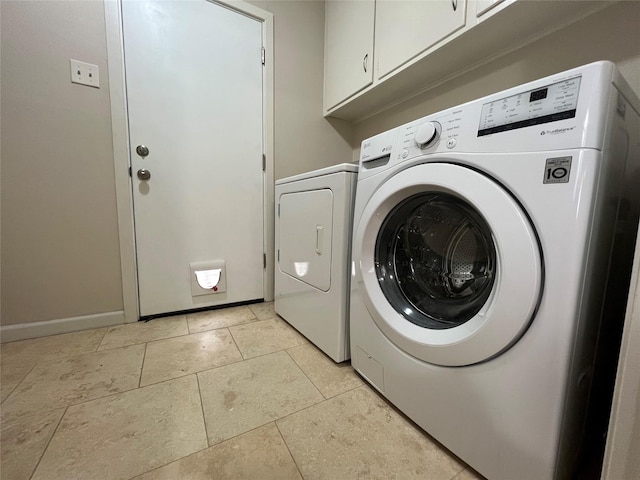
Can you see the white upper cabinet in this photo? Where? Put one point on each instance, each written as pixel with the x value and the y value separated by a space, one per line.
pixel 348 49
pixel 422 43
pixel 406 28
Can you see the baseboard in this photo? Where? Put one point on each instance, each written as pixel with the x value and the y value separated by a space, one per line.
pixel 22 331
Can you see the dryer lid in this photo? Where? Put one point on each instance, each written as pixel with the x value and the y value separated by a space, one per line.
pixel 350 168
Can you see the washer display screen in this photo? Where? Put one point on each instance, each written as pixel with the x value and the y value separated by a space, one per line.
pixel 554 102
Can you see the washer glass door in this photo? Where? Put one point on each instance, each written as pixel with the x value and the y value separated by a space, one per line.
pixel 435 260
pixel 447 264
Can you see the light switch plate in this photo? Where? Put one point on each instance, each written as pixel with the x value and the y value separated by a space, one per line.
pixel 84 73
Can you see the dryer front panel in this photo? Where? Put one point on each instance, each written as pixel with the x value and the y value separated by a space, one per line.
pixel 450 266
pixel 305 233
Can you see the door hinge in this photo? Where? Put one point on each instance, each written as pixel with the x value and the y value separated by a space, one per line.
pixel 264 162
pixel 130 172
pixel 263 55
pixel 264 260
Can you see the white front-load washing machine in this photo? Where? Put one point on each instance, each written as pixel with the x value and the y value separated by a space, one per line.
pixel 314 216
pixel 482 251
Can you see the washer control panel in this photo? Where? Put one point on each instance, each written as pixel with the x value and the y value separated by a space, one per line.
pixel 439 133
pixel 550 103
pixel 427 133
pixel 550 114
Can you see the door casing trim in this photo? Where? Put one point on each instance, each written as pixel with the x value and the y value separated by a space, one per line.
pixel 121 160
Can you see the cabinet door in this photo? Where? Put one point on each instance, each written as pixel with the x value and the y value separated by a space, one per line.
pixel 348 49
pixel 406 28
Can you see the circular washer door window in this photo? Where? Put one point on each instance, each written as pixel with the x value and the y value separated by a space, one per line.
pixel 435 260
pixel 447 263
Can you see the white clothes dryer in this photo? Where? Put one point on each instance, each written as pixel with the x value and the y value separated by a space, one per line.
pixel 482 245
pixel 314 216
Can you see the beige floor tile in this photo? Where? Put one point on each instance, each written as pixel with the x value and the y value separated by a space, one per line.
pixel 127 434
pixel 259 454
pixel 329 377
pixel 263 311
pixel 357 435
pixel 176 357
pixel 142 332
pixel 240 397
pixel 226 317
pixel 23 440
pixel 468 475
pixel 52 347
pixel 76 379
pixel 265 336
pixel 18 358
pixel 11 376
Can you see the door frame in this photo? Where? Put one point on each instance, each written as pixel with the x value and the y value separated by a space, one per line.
pixel 122 162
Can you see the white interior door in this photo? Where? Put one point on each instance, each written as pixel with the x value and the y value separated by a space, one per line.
pixel 194 92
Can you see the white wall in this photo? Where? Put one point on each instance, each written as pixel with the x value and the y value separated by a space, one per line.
pixel 60 251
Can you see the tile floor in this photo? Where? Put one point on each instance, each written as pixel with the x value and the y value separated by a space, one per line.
pixel 228 394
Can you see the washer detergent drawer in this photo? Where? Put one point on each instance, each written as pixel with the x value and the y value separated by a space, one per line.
pixel 306 229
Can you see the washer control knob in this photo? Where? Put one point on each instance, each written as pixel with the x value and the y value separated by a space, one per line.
pixel 426 134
